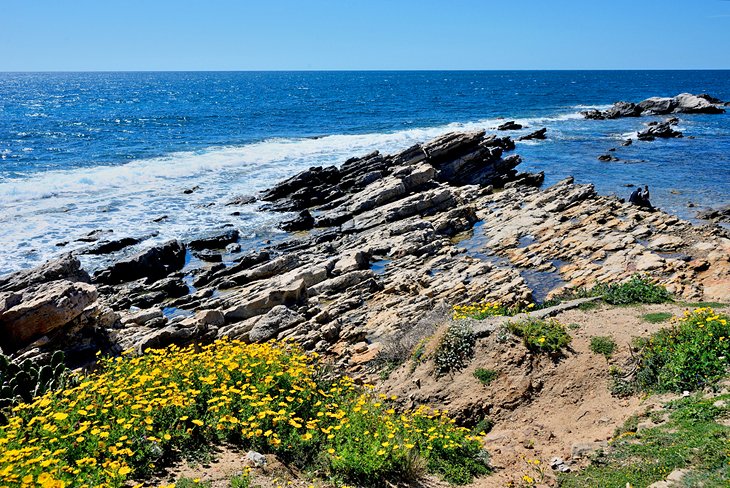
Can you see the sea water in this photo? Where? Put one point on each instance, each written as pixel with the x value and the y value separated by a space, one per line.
pixel 119 151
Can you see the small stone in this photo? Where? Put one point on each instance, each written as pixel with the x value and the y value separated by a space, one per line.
pixel 257 459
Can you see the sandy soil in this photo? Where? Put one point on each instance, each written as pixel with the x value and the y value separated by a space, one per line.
pixel 542 408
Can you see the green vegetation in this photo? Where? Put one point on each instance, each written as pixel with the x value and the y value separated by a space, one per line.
pixel 21 382
pixel 588 306
pixel 658 317
pixel 541 335
pixel 455 349
pixel 240 481
pixel 191 483
pixel 692 438
pixel 638 289
pixel 603 345
pixel 692 354
pixel 704 305
pixel 485 376
pixel 136 413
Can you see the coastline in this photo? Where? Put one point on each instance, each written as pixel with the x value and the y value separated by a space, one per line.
pixel 379 250
pixel 447 221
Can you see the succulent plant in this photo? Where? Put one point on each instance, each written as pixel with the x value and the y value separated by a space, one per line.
pixel 21 382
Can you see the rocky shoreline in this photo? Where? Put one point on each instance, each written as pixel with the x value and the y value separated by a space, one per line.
pixel 376 243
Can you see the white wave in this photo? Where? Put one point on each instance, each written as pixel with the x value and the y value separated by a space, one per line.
pixel 59 206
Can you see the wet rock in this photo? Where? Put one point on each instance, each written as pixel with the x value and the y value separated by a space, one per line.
pixel 94 235
pixel 682 103
pixel 214 241
pixel 538 134
pixel 623 109
pixel 303 221
pixel 154 263
pixel 721 214
pixel 109 247
pixel 511 125
pixel 608 158
pixel 662 130
pixel 233 248
pixel 627 142
pixel 241 200
pixel 208 256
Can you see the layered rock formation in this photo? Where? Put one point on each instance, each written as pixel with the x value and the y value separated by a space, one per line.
pixel 684 103
pixel 382 240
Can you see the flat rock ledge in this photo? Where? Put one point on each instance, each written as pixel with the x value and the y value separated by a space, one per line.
pixel 385 239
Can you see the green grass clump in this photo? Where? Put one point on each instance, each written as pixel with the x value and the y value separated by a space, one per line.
pixel 485 376
pixel 541 335
pixel 638 289
pixel 691 439
pixel 191 483
pixel 455 349
pixel 704 304
pixel 239 481
pixel 692 354
pixel 658 317
pixel 603 345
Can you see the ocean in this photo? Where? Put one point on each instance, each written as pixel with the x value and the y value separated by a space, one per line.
pixel 118 151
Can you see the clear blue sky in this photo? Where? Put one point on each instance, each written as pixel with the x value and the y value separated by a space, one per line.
pixel 78 35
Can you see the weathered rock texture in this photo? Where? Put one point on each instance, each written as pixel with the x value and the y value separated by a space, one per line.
pixel 384 239
pixel 684 103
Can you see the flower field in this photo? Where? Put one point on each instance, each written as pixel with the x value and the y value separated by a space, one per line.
pixel 136 413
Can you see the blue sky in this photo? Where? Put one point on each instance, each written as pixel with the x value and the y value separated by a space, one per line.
pixel 79 35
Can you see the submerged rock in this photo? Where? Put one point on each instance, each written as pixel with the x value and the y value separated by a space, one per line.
pixel 154 263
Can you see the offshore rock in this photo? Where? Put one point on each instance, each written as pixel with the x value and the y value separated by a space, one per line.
pixel 154 263
pixel 684 103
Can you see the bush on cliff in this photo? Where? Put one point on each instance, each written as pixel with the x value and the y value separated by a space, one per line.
pixel 638 289
pixel 136 413
pixel 455 349
pixel 541 335
pixel 691 354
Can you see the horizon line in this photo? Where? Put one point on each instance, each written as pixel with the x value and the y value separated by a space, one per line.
pixel 295 70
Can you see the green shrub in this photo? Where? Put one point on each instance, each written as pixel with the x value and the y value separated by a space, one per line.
pixel 638 289
pixel 658 317
pixel 240 481
pixel 486 376
pixel 541 335
pixel 191 483
pixel 603 345
pixel 692 354
pixel 455 349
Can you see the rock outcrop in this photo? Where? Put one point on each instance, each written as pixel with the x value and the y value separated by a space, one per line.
pixel 683 103
pixel 383 239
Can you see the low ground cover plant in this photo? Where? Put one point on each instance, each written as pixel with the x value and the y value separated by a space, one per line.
pixel 657 318
pixel 603 345
pixel 541 335
pixel 485 376
pixel 455 349
pixel 136 413
pixel 638 289
pixel 691 439
pixel 691 354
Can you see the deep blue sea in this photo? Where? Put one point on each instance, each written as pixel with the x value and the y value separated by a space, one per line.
pixel 86 151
